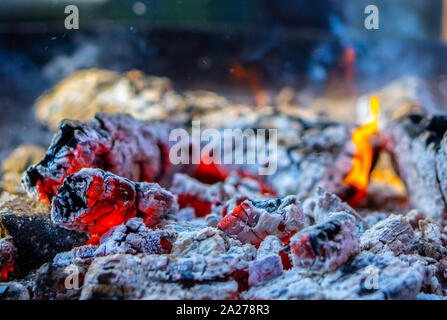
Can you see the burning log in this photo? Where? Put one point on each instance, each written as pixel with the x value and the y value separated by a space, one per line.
pixel 94 201
pixel 419 151
pixel 117 143
pixel 36 238
pixel 325 246
pixel 252 221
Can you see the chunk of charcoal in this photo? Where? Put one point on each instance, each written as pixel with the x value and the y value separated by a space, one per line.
pixel 13 291
pixel 318 155
pixel 210 241
pixel 428 249
pixel 372 276
pixel 36 238
pixel 289 286
pixel 116 143
pixel 417 146
pixel 206 241
pixel 252 221
pixel 134 237
pixel 94 201
pixel 393 233
pixel 270 245
pixel 273 245
pixel 325 246
pixel 59 280
pixel 442 273
pixel 7 253
pixel 161 277
pixel 323 203
pixel 204 197
pixel 199 196
pixel 430 231
pixel 264 269
pixel 236 184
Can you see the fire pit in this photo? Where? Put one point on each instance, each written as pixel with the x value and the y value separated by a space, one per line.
pixel 225 180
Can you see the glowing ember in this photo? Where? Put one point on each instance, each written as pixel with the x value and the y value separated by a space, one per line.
pixel 7 254
pixel 358 177
pixel 94 201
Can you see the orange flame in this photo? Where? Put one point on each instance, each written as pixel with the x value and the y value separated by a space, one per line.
pixel 358 177
pixel 251 77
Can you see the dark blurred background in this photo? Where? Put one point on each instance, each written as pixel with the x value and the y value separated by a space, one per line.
pixel 303 44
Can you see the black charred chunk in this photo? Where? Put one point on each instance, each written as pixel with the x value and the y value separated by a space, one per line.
pixel 36 238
